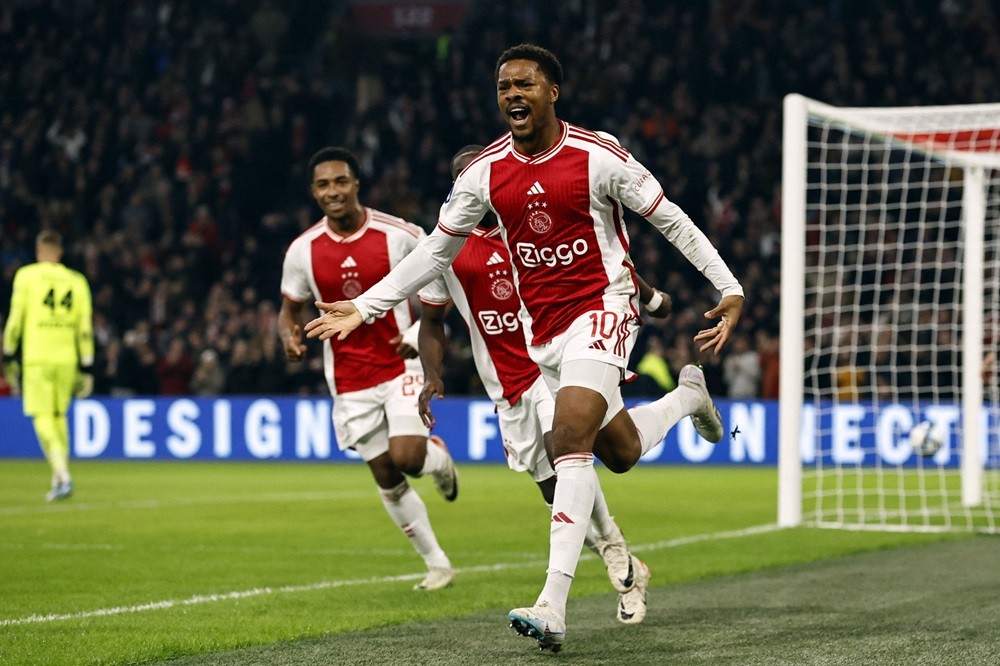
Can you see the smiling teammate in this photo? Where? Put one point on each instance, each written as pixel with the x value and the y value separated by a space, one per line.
pixel 374 377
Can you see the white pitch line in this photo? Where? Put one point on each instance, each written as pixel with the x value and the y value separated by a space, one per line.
pixel 331 584
pixel 241 594
pixel 66 507
pixel 255 550
pixel 711 536
pixel 81 546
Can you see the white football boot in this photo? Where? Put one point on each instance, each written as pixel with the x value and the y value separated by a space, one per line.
pixel 706 418
pixel 632 604
pixel 446 480
pixel 542 623
pixel 614 551
pixel 436 579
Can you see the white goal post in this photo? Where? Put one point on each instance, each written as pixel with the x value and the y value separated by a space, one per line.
pixel 890 315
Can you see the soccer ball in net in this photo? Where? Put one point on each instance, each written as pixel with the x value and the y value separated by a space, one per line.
pixel 926 438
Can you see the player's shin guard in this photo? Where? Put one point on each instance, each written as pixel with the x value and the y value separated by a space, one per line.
pixel 601 519
pixel 571 512
pixel 605 538
pixel 409 512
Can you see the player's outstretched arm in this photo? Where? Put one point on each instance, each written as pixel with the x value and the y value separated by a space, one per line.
pixel 338 319
pixel 728 312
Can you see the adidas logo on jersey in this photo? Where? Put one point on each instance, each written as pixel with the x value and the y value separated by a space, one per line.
pixel 349 263
pixel 597 345
pixel 536 189
pixel 494 259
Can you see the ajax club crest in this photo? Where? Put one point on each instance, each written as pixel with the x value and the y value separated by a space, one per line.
pixel 501 287
pixel 538 219
pixel 352 287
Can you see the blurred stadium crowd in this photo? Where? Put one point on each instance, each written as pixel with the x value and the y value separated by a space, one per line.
pixel 167 140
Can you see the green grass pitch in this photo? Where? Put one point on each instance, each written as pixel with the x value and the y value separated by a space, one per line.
pixel 278 563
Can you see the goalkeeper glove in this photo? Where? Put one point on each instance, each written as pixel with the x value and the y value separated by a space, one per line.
pixel 84 384
pixel 12 373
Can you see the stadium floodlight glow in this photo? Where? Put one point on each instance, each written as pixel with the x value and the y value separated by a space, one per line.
pixel 890 315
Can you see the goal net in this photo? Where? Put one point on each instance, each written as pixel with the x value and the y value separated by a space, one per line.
pixel 890 316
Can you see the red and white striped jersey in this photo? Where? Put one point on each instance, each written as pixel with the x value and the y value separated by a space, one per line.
pixel 480 284
pixel 560 216
pixel 322 265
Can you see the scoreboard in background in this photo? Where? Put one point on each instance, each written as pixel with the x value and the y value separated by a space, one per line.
pixel 286 428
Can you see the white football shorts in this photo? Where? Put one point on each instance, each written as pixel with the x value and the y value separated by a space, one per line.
pixel 592 353
pixel 365 420
pixel 522 426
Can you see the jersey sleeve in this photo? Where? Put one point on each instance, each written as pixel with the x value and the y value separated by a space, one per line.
pixel 678 228
pixel 639 190
pixel 295 274
pixel 427 261
pixel 467 202
pixel 436 292
pixel 631 182
pixel 14 328
pixel 85 323
pixel 462 210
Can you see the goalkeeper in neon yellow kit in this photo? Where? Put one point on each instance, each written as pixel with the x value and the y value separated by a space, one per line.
pixel 50 323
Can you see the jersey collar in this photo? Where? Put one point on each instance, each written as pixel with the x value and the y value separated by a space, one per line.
pixel 545 155
pixel 357 233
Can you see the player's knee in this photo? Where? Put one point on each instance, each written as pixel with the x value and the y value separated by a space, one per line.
pixel 571 437
pixel 407 464
pixel 617 445
pixel 618 459
pixel 408 454
pixel 385 473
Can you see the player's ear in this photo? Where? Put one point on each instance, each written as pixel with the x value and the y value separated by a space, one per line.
pixel 554 92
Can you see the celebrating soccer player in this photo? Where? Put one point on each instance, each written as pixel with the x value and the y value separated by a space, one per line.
pixel 51 324
pixel 374 377
pixel 558 191
pixel 479 284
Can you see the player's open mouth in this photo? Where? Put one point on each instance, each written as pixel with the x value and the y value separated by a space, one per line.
pixel 518 114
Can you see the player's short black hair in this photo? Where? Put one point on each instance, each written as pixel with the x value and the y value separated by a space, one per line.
pixel 50 237
pixel 472 148
pixel 334 154
pixel 547 61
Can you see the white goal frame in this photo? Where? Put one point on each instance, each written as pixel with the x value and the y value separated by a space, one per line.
pixel 799 112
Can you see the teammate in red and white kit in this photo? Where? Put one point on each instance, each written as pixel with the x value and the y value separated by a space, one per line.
pixel 479 284
pixel 558 192
pixel 374 377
